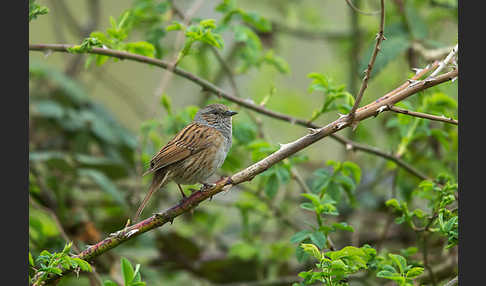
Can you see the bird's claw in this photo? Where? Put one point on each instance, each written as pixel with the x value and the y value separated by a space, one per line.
pixel 207 186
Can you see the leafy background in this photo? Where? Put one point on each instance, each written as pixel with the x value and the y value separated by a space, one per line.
pixel 94 124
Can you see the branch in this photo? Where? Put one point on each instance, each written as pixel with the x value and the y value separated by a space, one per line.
pixel 350 145
pixel 445 62
pixel 431 55
pixel 379 38
pixel 453 282
pixel 285 151
pixel 225 67
pixel 248 103
pixel 360 11
pixel 422 115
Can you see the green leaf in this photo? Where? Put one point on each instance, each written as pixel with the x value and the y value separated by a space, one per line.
pixel 312 250
pixel 399 261
pixel 414 272
pixel 390 50
pixel 67 247
pixel 279 63
pixel 271 186
pixel 256 21
pixel 48 108
pixel 393 203
pixel 141 48
pixel 318 238
pixel 105 183
pixel 343 226
pixel 85 266
pixel 175 26
pixel 136 274
pixel 390 275
pixel 109 283
pixel 243 250
pixel 415 22
pixel 55 270
pixel 300 236
pixel 323 178
pixel 31 260
pixel 166 102
pixel 127 270
pixel 208 23
pixel 36 10
pixel 244 132
pixel 352 169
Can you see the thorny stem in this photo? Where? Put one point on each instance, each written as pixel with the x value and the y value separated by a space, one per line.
pixel 422 115
pixel 379 38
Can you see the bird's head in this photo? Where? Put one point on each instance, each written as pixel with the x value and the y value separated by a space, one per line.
pixel 215 115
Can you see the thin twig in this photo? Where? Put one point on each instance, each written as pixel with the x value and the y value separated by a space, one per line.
pixel 422 115
pixel 431 54
pixel 453 282
pixel 167 76
pixel 119 88
pixel 379 38
pixel 426 259
pixel 445 62
pixel 228 72
pixel 299 180
pixel 360 11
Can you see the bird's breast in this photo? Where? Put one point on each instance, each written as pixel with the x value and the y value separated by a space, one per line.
pixel 203 164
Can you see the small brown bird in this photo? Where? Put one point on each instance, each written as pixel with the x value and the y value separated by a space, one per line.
pixel 195 153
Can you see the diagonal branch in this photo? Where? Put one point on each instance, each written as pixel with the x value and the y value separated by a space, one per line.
pixel 285 151
pixel 379 38
pixel 245 102
pixel 422 115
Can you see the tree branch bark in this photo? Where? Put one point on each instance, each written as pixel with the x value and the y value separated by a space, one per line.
pixel 422 115
pixel 379 38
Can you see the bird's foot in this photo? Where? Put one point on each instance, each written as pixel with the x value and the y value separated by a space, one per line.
pixel 183 200
pixel 207 186
pixel 226 180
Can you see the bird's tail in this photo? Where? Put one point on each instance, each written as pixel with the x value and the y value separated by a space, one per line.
pixel 158 181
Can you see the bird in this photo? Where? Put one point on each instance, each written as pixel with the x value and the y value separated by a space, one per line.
pixel 195 153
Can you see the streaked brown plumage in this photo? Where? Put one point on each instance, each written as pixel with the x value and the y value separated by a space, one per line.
pixel 195 153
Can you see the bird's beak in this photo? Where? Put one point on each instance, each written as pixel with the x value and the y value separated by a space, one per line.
pixel 230 113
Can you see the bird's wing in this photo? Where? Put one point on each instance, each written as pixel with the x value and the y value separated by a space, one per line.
pixel 190 140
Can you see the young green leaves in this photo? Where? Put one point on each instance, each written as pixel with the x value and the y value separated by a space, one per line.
pixel 335 97
pixel 36 10
pixel 398 270
pixel 333 267
pixel 202 32
pixel 51 264
pixel 114 39
pixel 131 277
